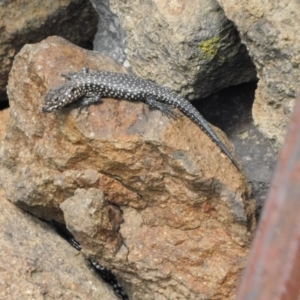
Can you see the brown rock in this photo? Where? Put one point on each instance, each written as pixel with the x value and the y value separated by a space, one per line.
pixel 270 29
pixel 151 198
pixel 22 23
pixel 188 45
pixel 4 117
pixel 35 263
pixel 94 221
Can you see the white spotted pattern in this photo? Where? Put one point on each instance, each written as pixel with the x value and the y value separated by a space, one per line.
pixel 96 85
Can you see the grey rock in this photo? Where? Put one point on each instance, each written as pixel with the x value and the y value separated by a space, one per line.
pixel 110 36
pixel 36 263
pixel 23 23
pixel 270 30
pixel 189 46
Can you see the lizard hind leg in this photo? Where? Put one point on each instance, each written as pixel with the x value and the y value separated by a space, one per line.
pixel 165 109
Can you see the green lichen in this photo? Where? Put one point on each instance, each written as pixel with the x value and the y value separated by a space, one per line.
pixel 210 47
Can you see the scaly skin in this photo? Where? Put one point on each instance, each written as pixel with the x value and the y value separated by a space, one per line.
pixel 91 87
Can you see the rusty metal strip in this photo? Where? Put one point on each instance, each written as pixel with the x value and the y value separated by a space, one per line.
pixel 273 268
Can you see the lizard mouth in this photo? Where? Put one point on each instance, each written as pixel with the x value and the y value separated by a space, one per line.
pixel 47 109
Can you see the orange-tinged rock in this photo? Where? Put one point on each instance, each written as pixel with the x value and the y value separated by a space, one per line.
pixel 151 198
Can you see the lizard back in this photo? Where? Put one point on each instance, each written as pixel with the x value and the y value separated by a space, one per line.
pixel 91 87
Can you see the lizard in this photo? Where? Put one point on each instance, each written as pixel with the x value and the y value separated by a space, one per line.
pixel 90 87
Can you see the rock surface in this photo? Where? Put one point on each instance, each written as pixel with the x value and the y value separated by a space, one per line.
pixel 151 198
pixel 110 37
pixel 270 29
pixel 22 23
pixel 189 46
pixel 35 263
pixel 4 117
pixel 231 110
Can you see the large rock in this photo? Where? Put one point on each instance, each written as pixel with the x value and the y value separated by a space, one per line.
pixel 23 23
pixel 35 263
pixel 151 198
pixel 189 46
pixel 270 30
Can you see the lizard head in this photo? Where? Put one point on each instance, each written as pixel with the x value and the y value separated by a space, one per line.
pixel 60 97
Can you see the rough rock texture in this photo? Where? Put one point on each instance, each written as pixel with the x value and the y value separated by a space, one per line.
pixel 110 37
pixel 4 116
pixel 22 23
pixel 151 198
pixel 35 263
pixel 270 29
pixel 255 151
pixel 189 45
